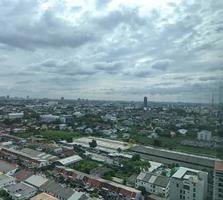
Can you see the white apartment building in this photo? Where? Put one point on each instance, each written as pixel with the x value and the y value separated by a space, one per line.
pixel 188 184
pixel 218 181
pixel 16 115
pixel 204 135
pixel 154 183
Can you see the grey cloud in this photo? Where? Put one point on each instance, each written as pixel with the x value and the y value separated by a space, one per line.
pixel 109 67
pixel 122 16
pixel 58 67
pixel 161 64
pixel 33 32
pixel 184 48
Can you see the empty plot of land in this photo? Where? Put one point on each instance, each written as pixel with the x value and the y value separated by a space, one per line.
pixel 102 143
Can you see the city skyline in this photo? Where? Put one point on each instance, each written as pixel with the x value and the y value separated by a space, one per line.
pixel 109 50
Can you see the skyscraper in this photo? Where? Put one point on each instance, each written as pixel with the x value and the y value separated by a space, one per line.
pixel 145 104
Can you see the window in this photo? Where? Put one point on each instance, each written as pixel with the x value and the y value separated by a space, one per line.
pixel 186 187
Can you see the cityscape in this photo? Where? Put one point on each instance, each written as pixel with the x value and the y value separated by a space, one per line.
pixel 111 100
pixel 83 149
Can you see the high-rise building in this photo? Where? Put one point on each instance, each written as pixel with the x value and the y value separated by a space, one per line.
pixel 218 181
pixel 188 184
pixel 145 103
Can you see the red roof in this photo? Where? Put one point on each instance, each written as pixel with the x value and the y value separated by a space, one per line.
pixel 127 193
pixel 219 165
pixel 93 182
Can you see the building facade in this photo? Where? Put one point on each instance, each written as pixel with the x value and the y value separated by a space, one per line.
pixel 218 181
pixel 188 184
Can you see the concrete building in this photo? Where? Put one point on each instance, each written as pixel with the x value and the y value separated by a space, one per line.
pixel 21 191
pixel 68 160
pixel 183 159
pixel 188 184
pixel 154 184
pixel 36 180
pixel 49 118
pixel 218 181
pixel 16 115
pixel 29 157
pixel 204 135
pixel 6 180
pixel 61 192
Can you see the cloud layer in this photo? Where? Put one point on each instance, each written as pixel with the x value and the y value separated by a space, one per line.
pixel 168 50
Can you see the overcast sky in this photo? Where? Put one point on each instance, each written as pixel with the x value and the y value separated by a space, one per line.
pixel 168 50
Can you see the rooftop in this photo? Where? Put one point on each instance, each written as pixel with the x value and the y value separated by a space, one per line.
pixel 219 165
pixel 43 196
pixel 69 160
pixel 36 180
pixel 6 167
pixel 20 189
pixel 182 171
pixel 38 154
pixel 57 189
pixel 162 181
pixel 4 176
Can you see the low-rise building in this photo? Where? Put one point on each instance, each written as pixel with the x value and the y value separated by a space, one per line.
pixel 49 118
pixel 61 192
pixel 154 183
pixel 68 160
pixel 114 190
pixel 7 168
pixel 36 180
pixel 29 157
pixel 21 191
pixel 204 135
pixel 15 115
pixel 6 180
pixel 188 184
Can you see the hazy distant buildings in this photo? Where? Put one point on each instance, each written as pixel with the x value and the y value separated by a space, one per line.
pixel 145 103
pixel 218 181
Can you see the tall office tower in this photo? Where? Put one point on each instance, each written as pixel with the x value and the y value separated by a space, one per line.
pixel 145 104
pixel 188 184
pixel 218 180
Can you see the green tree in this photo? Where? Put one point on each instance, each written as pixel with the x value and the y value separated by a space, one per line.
pixel 157 142
pixel 119 150
pixel 136 157
pixel 142 189
pixel 93 144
